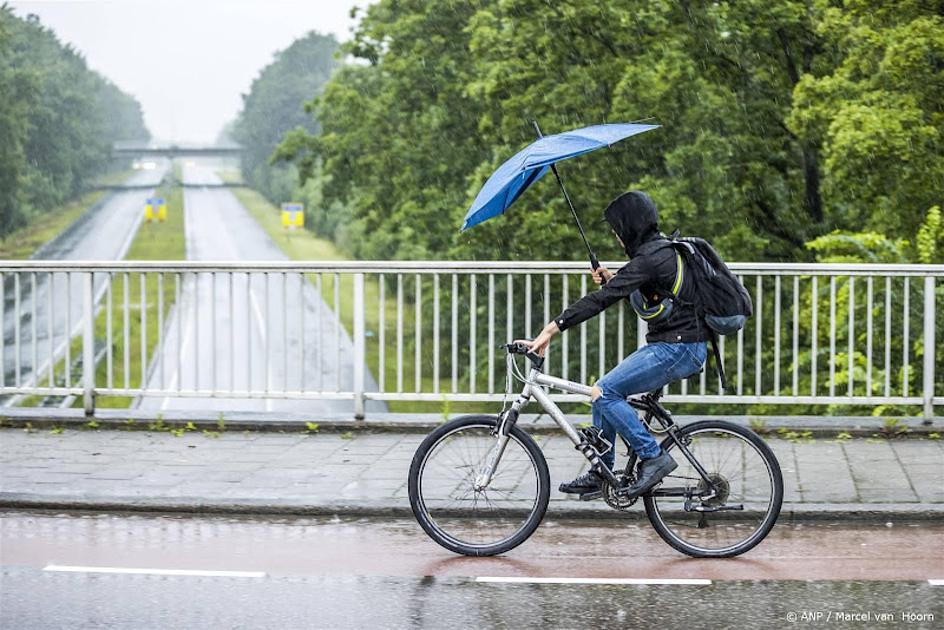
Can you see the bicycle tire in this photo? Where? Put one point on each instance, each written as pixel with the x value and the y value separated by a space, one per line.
pixel 429 524
pixel 775 503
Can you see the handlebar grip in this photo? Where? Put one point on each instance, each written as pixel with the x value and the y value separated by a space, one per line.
pixel 515 348
pixel 519 348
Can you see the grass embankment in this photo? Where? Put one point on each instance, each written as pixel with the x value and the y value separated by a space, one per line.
pixel 23 243
pixel 304 245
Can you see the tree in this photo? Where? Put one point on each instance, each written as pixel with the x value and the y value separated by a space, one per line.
pixel 275 105
pixel 58 120
pixel 399 132
pixel 781 121
pixel 878 115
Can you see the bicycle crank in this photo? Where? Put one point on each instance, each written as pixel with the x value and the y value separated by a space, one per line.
pixel 614 498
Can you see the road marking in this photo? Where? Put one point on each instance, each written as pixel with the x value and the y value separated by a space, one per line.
pixel 132 571
pixel 565 580
pixel 936 582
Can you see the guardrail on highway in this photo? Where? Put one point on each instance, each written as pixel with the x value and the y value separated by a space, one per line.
pixel 822 334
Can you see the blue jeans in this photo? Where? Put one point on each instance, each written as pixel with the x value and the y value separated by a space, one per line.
pixel 649 368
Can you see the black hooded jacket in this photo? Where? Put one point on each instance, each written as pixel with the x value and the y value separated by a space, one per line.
pixel 652 268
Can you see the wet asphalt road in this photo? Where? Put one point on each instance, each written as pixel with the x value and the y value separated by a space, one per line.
pixel 333 573
pixel 104 233
pixel 220 337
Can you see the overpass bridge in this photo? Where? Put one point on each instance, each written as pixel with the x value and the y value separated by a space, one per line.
pixel 176 151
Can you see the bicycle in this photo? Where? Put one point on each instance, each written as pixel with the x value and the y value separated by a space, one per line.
pixel 479 485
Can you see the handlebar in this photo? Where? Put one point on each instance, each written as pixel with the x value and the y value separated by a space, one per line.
pixel 520 348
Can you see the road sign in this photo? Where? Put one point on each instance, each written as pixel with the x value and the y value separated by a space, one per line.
pixel 155 209
pixel 293 215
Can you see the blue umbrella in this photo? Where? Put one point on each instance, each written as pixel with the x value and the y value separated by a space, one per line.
pixel 531 163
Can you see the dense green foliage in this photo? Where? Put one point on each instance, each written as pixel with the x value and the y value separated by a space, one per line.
pixel 782 121
pixel 58 120
pixel 275 105
pixel 797 130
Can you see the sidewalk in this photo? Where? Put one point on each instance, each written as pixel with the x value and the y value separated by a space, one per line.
pixel 364 473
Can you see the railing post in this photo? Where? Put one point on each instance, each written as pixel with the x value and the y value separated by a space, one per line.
pixel 929 349
pixel 359 354
pixel 88 343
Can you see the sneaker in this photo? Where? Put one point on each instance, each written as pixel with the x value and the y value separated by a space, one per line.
pixel 649 473
pixel 585 483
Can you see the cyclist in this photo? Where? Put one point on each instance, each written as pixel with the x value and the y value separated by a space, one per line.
pixel 677 338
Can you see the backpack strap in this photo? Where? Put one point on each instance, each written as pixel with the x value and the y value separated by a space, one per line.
pixel 653 246
pixel 679 274
pixel 719 362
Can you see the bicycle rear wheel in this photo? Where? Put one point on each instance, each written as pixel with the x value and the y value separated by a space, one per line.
pixel 749 492
pixel 485 521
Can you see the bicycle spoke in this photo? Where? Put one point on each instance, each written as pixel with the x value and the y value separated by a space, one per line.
pixel 451 501
pixel 739 473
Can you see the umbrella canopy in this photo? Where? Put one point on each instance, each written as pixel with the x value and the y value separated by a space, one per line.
pixel 531 163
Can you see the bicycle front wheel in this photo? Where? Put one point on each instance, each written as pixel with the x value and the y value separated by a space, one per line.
pixel 467 519
pixel 748 492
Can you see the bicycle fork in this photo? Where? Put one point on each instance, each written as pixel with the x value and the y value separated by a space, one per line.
pixel 503 431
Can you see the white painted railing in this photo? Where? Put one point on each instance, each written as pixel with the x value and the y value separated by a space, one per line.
pixel 822 334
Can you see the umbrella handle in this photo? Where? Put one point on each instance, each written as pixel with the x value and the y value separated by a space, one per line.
pixel 595 264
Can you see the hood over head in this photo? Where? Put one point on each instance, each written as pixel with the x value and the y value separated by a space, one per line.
pixel 634 217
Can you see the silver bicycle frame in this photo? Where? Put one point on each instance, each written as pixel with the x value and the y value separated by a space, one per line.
pixel 532 389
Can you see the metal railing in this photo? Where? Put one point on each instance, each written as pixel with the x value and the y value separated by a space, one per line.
pixel 355 332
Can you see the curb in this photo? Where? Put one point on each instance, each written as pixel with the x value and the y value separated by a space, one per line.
pixel 136 420
pixel 791 512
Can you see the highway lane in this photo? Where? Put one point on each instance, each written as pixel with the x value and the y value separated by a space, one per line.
pixel 103 233
pixel 190 571
pixel 219 336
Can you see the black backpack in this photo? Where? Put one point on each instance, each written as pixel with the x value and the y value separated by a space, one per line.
pixel 719 297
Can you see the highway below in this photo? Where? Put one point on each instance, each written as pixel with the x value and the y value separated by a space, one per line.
pixel 259 333
pixel 103 233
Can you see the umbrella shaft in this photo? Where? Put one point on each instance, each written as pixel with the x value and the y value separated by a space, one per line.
pixel 594 263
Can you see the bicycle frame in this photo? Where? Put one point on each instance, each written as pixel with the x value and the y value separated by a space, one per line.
pixel 532 389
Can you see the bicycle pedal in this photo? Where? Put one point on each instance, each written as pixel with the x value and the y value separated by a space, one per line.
pixel 590 496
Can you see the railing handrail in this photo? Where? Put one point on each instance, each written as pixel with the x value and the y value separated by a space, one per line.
pixel 447 266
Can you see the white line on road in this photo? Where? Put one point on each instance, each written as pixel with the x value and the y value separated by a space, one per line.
pixel 125 570
pixel 936 582
pixel 565 580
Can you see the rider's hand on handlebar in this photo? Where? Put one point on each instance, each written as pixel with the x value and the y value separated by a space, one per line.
pixel 601 275
pixel 539 344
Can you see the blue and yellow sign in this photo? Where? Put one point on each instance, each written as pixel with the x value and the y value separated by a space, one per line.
pixel 155 209
pixel 293 215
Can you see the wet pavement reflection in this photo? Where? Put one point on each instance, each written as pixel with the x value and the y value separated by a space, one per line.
pixel 379 573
